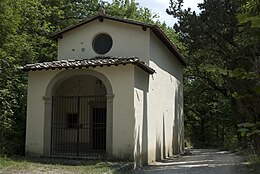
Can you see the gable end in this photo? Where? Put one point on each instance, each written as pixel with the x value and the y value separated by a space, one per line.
pixel 155 29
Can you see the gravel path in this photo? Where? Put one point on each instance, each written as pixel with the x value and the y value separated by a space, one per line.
pixel 201 161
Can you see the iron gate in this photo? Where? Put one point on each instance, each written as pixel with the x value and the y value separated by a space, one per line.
pixel 78 126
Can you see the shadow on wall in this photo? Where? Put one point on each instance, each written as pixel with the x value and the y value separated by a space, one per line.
pixel 158 154
pixel 145 128
pixel 141 138
pixel 137 152
pixel 164 143
pixel 178 125
pixel 161 147
pixel 140 134
pixel 164 62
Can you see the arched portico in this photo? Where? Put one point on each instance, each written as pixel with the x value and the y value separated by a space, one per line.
pixel 64 85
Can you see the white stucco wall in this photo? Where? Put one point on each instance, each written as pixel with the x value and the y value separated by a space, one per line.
pixel 121 79
pixel 37 84
pixel 165 103
pixel 128 40
pixel 141 116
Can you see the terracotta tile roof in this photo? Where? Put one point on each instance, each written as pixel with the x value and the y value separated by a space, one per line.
pixel 86 63
pixel 154 28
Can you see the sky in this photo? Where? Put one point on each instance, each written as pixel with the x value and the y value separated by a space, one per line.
pixel 160 6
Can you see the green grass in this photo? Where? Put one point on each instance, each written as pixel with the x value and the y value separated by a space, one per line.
pixel 54 165
pixel 252 159
pixel 254 163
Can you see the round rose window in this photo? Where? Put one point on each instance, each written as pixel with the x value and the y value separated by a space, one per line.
pixel 102 43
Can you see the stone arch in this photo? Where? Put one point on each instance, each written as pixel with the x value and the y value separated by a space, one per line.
pixel 60 77
pixel 51 88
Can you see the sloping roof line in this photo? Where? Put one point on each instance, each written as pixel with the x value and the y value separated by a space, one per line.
pixel 87 63
pixel 155 29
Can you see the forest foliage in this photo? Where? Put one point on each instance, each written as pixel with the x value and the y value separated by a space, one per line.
pixel 221 44
pixel 222 80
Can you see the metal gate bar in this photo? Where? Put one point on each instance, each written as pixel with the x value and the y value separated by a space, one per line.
pixel 78 126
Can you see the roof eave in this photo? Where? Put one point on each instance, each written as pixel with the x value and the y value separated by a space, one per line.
pixel 100 17
pixel 58 64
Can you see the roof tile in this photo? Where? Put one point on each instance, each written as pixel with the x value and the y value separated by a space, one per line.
pixel 93 62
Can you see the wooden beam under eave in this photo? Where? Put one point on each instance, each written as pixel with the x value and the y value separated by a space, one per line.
pixel 59 36
pixel 101 19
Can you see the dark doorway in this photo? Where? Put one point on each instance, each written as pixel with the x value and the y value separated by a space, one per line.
pixel 99 128
pixel 78 126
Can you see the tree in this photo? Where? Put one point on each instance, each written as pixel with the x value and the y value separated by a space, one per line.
pixel 222 59
pixel 249 19
pixel 25 27
pixel 11 83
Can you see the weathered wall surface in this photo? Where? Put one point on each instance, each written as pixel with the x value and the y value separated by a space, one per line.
pixel 128 40
pixel 165 103
pixel 158 105
pixel 37 84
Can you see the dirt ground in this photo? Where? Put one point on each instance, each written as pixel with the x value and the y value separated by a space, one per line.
pixel 200 161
